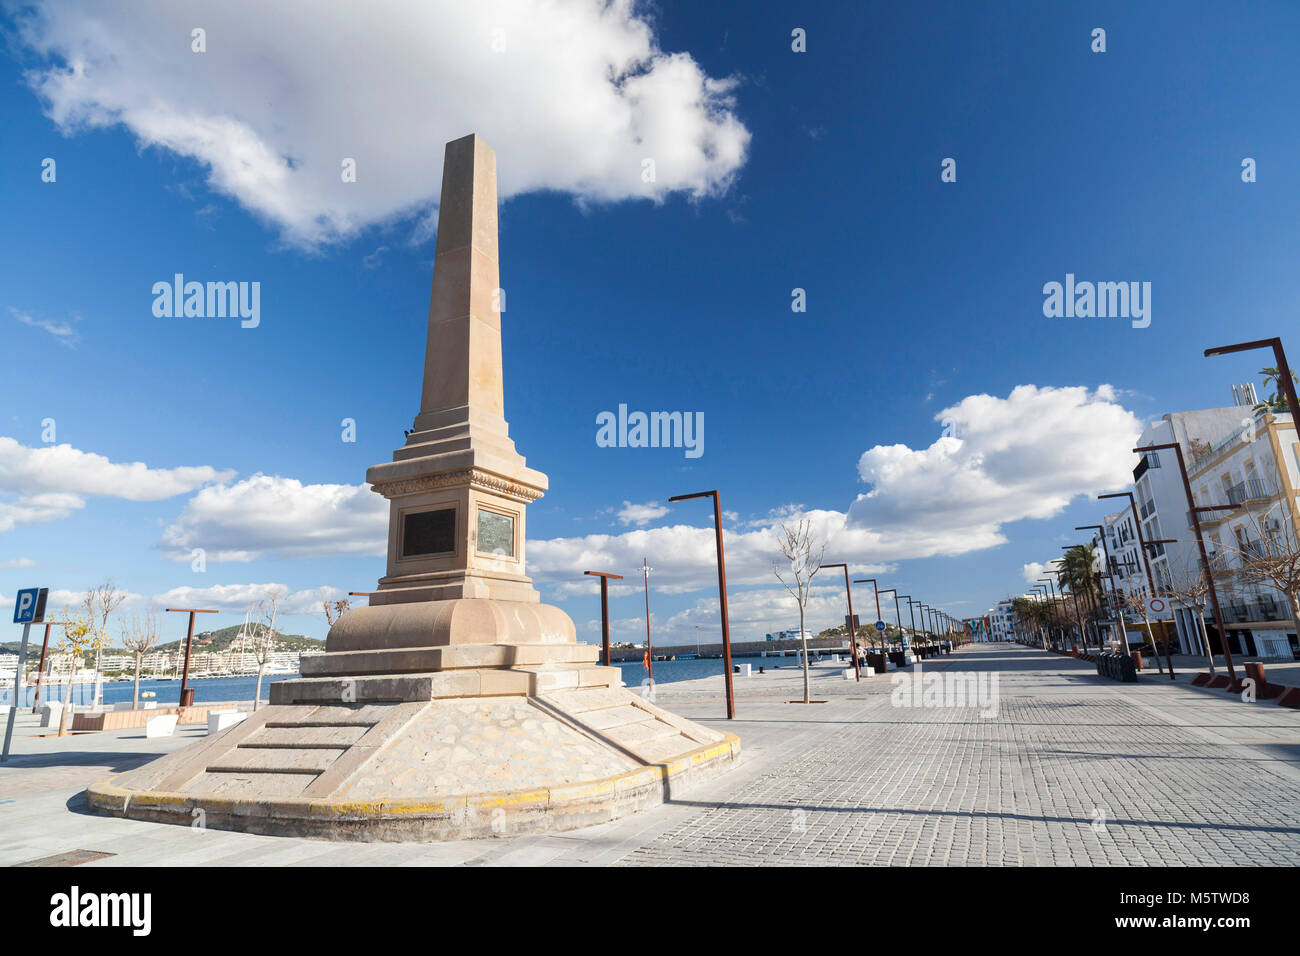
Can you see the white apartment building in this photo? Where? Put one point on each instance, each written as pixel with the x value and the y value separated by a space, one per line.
pixel 1162 505
pixel 1002 622
pixel 1255 469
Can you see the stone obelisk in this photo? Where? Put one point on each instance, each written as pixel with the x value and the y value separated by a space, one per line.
pixel 458 487
pixel 456 704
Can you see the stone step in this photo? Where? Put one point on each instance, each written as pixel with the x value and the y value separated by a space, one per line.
pixel 580 701
pixel 548 680
pixel 663 748
pixel 412 660
pixel 245 784
pixel 252 759
pixel 470 682
pixel 333 715
pixel 608 717
pixel 299 735
pixel 629 735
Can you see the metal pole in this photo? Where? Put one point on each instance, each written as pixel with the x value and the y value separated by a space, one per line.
pixel 884 659
pixel 649 650
pixel 898 617
pixel 189 640
pixel 1200 544
pixel 1151 581
pixel 722 598
pixel 605 618
pixel 1284 370
pixel 853 630
pixel 1115 609
pixel 40 668
pixel 18 690
pixel 604 608
pixel 722 592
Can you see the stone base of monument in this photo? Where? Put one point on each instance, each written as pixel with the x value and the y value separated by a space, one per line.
pixel 446 741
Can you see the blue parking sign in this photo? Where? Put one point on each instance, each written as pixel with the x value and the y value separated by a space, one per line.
pixel 30 606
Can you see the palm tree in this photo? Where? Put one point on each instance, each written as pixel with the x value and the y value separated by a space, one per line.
pixel 1276 402
pixel 1079 571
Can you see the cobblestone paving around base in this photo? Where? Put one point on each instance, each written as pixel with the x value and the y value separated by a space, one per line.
pixel 1073 770
pixel 1055 779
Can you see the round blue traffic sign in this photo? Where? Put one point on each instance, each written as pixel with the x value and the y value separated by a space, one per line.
pixel 880 625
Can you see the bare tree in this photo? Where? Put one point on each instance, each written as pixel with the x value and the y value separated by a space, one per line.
pixel 335 609
pixel 1271 559
pixel 1133 603
pixel 262 637
pixel 804 551
pixel 1189 588
pixel 140 633
pixel 99 602
pixel 79 636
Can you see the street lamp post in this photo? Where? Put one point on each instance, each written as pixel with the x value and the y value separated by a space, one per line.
pixel 1284 370
pixel 1074 600
pixel 604 608
pixel 1146 560
pixel 40 668
pixel 1038 591
pixel 884 659
pixel 1052 605
pixel 908 599
pixel 1105 563
pixel 898 615
pixel 649 651
pixel 1169 653
pixel 722 591
pixel 853 630
pixel 1090 606
pixel 187 693
pixel 1200 544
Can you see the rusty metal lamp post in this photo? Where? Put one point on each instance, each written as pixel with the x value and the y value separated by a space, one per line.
pixel 722 591
pixel 40 668
pixel 187 692
pixel 853 630
pixel 908 599
pixel 604 609
pixel 898 615
pixel 1195 514
pixel 1279 356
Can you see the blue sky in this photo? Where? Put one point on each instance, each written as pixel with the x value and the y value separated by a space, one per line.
pixel 921 295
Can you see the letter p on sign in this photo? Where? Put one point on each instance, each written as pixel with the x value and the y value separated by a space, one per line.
pixel 30 606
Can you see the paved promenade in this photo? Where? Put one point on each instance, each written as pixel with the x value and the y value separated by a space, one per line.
pixel 1072 770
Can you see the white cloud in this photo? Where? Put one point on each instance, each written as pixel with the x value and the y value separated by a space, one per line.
pixel 269 515
pixel 1034 571
pixel 64 333
pixel 641 514
pixel 236 598
pixel 18 563
pixel 53 481
pixel 573 95
pixel 684 558
pixel 1024 456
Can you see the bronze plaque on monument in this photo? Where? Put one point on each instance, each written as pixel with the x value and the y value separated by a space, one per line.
pixel 496 534
pixel 429 532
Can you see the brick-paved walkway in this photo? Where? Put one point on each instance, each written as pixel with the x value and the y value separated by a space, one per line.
pixel 1073 770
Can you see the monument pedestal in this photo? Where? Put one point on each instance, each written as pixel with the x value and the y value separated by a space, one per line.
pixel 456 705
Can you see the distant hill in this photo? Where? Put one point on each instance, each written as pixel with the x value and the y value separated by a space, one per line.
pixel 205 641
pixel 221 639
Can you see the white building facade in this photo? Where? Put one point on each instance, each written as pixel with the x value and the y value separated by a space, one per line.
pixel 1256 471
